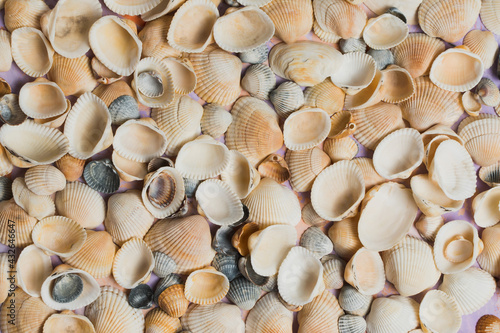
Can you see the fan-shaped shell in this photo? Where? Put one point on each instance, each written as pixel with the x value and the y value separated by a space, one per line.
pixel 6 53
pixel 370 175
pixel 292 19
pixel 215 318
pixel 172 300
pixel 215 120
pixel 33 267
pixel 240 175
pixel 428 226
pixel 133 263
pixel 269 315
pixel 219 203
pixel 356 73
pixel 489 16
pixel 206 286
pixel 487 324
pixel 488 259
pixel 490 174
pixel 31 51
pixel 325 96
pixel 44 180
pixel 154 43
pixel 26 13
pixel 385 31
pixel 353 302
pixel 438 302
pixel 287 98
pixel 344 236
pixel 365 272
pixel 341 149
pixel 393 314
pixel 157 321
pixel 10 211
pixel 274 166
pixel 304 166
pixel 163 192
pixel 483 44
pixel 258 81
pixel 321 315
pixel 68 321
pixel 398 84
pixel 131 7
pixel 306 128
pixel 341 18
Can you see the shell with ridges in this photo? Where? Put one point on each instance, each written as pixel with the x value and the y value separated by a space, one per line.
pixel 393 314
pixel 394 32
pixel 321 315
pixel 292 19
pixel 215 120
pixel 398 84
pixel 38 206
pixel 439 312
pixel 104 74
pixel 102 176
pixel 218 203
pixel 68 321
pixel 240 175
pixel 25 13
pixel 26 42
pixel 10 110
pixel 163 192
pixel 490 174
pixel 341 149
pixel 160 75
pixel 304 166
pixel 6 166
pixel 428 226
pixel 488 324
pixel 131 8
pixel 370 175
pixel 356 73
pixel 274 166
pixel 215 318
pixel 352 324
pixel 344 236
pixel 333 272
pixel 162 9
pixel 483 44
pixel 488 259
pixel 255 56
pixel 489 16
pixel 33 267
pixel 157 321
pixel 120 100
pixel 353 302
pixel 486 208
pixel 24 223
pixel 133 263
pixel 287 98
pixel 258 81
pixel 488 92
pixel 368 96
pixel 342 125
pixel 325 36
pixel 340 17
pixel 154 43
pixel 365 272
pixel 44 179
pixel 269 315
pixel 243 293
pixel 326 96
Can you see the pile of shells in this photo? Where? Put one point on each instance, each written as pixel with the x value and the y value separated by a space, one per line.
pixel 207 167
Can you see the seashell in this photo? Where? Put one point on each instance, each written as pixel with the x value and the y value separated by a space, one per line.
pixel 352 45
pixel 68 288
pixel 88 127
pixel 488 16
pixel 485 208
pixel 289 61
pixel 231 30
pixel 325 96
pixel 311 218
pixel 271 285
pixel 393 314
pixel 154 43
pixel 430 198
pixel 95 256
pixel 227 265
pixel 219 203
pixel 206 286
pixel 342 125
pixel 33 267
pixel 269 247
pixel 215 318
pixel 240 175
pixel 163 8
pixel 322 314
pixel 490 174
pixel 149 84
pixel 108 36
pixel 6 54
pixel 333 273
pixel 260 53
pixel 258 81
pixel 246 269
pixel 71 167
pixel 269 315
pixel 353 302
pixel 383 58
pixel 10 211
pixel 4 87
pixel 398 84
pixel 186 240
pixel 483 44
pixel 183 76
pixel 4 273
pixel 352 324
pixel 67 26
pixel 274 166
pixel 133 263
pixel 316 241
pixel 439 130
pixel 141 297
pixel 215 120
pixel 164 283
pixel 44 180
pixel 314 127
pixel 428 226
pixel 239 240
pixel 82 204
pixel 218 73
pixel 164 265
pixel 394 30
pixel 153 83
pixel 479 138
pixel 488 92
pixel 26 13
pixel 111 312
pixel 10 111
pixel 341 149
pixel 287 98
pixel 102 176
pixel 157 321
pixel 221 242
pixel 348 182
pixel 368 171
pixel 104 74
pixel 120 100
pixel 38 206
pixel 5 189
pixel 6 166
pixel 357 72
pixel 305 166
pixel 471 103
pixel 26 42
pixel 439 312
pixel 243 293
pixel 368 96
pixel 325 36
pixel 344 236
pixel 488 258
pixel 58 235
pixel 365 272
pixel 342 18
pixel 292 19
pixel 68 321
pixel 457 69
pixel 283 209
pixel 135 8
pixel 487 324
pixel 159 162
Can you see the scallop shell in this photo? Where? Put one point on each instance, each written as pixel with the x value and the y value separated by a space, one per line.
pixel 215 120
pixel 480 135
pixel 108 37
pixel 485 207
pixel 133 263
pixel 489 16
pixel 490 174
pixel 488 258
pixel 314 127
pixel 428 226
pixel 408 8
pixel 215 318
pixel 257 55
pixel 206 286
pixel 348 182
pixel 368 96
pixel 341 149
pixel 71 167
pixel 393 314
pixel 287 98
pixel 488 92
pixel 365 272
pixel 10 111
pixel 82 204
pixel 289 62
pixel 258 81
pixel 164 283
pixel 370 175
pixel 38 206
pixel 356 73
pixel 42 99
pixel 243 293
pixel 218 73
pixel 162 74
pixel 68 321
pixel 353 302
pixel 292 19
pixel 33 267
pixel 439 312
pixel 240 238
pixel 173 301
pixel 321 315
pixel 111 312
pixel 157 321
pixel 304 166
pixel 186 240
pixel 269 315
pixel 45 180
pixel 104 74
pixel 10 211
pixel 483 44
pixel 284 208
pixel 6 54
pixel 333 271
pixel 394 32
pixel 231 30
pixel 340 17
pixel 26 13
pixel 227 265
pixel 326 96
pixel 254 121
pixel 488 324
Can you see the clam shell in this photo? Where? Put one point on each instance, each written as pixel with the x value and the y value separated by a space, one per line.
pixel 68 321
pixel 162 77
pixel 215 318
pixel 398 84
pixel 10 211
pixel 243 293
pixel 370 175
pixel 489 16
pixel 163 192
pixel 352 324
pixel 488 259
pixel 321 314
pixel 10 111
pixel 102 176
pixel 383 58
pixel 344 236
pixel 287 98
pixel 408 8
pixel 488 324
pixel 124 210
pixel 163 8
pixel 20 14
pixel 215 120
pixel 258 81
pixel 368 96
pixel 173 301
pixel 471 103
pixel 274 166
pixel 159 162
pixel 246 269
pixel 257 55
pixel 108 37
pixel 221 242
pixel 314 127
pixel 485 207
pixel 365 272
pixel 82 204
pixel 353 302
pixel 352 45
pixel 490 174
pixel 304 166
pixel 288 61
pixel 133 263
pixel 38 206
pixel 88 127
pixel 154 43
pixel 348 182
pixel 44 180
pixel 31 51
pixel 428 226
pixel 239 240
pixel 218 202
pixel 164 265
pixel 133 8
pixel 105 75
pixel 292 19
pixel 67 288
pixel 218 73
pixel 240 175
pixel 488 92
pixel 206 286
pixel 58 235
pixel 95 256
pixel 333 272
pixel 183 76
pixel 316 241
pixel 357 72
pixel 341 149
pixel 186 240
pixel 180 122
pixel 439 312
pixel 42 99
pixel 483 44
pixel 5 188
pixel 33 267
pixel 86 296
pixel 254 121
pixel 340 17
pixel 110 311
pixel 393 314
pixel 384 32
pixel 5 54
pixel 129 170
pixel 39 144
pixel 4 87
pixel 269 315
pixel 284 208
pixel 71 167
pixel 326 96
pixel 311 218
pixel 231 30
pixel 73 76
pixel 157 321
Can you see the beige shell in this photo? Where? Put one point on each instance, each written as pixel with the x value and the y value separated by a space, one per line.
pixel 96 255
pixel 480 135
pixel 10 211
pixel 489 17
pixel 486 208
pixel 274 166
pixel 340 18
pixel 439 130
pixel 154 43
pixel 4 273
pixel 68 321
pixel 258 81
pixel 162 9
pixel 398 84
pixel 218 203
pixel 387 214
pixel 288 61
pixel 241 236
pixel 368 96
pixel 186 240
pixel 5 53
pixel 6 166
pixel 449 20
pixel 326 96
pixel 306 128
pixel 483 44
pixel 163 194
pixel 341 149
pixel 206 286
pixel 325 36
pixel 31 51
pixel 370 175
pixel 337 191
pixel 305 166
pixel 240 175
pixel 488 259
pixel 384 32
pixel 321 315
pixel 183 76
pixel 292 19
pixel 44 180
pixel 133 263
pixel 57 121
pixel 173 301
pixel 365 272
pixel 490 174
pixel 218 73
pixel 108 37
pixel 408 8
pixel 431 105
pixel 104 74
pixel 25 13
pixel 488 92
pixel 131 8
pixel 342 125
pixel 33 267
pixel 254 121
pixel 215 120
pixel 38 206
pixel 471 103
pixel 439 302
pixel 162 72
pixel 344 236
pixel 157 321
pixel 129 170
pixel 393 314
pixel 417 52
pixel 215 318
pixel 428 226
pixel 42 99
pixel 269 315
pixel 81 203
pixel 71 167
pixel 356 73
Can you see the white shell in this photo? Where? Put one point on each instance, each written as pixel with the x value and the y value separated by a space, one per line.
pixel 133 263
pixel 215 318
pixel 31 51
pixel 357 72
pixel 42 99
pixel 439 312
pixel 486 208
pixel 392 314
pixel 33 267
pixel 159 68
pixel 365 272
pixel 219 203
pixel 131 7
pixel 384 32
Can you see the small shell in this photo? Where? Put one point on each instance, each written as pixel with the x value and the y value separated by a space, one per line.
pixel 240 175
pixel 183 76
pixel 304 166
pixel 428 226
pixel 480 135
pixel 490 174
pixel 320 314
pixel 357 72
pixel 311 218
pixel 259 81
pixel 243 293
pixel 488 92
pixel 316 241
pixel 24 14
pixel 255 56
pixel 287 98
pixel 408 9
pixel 104 74
pixel 33 267
pixel 246 269
pixel 393 314
pixel 5 188
pixel 173 301
pixel 365 272
pixel 398 84
pixel 384 32
pixel 67 288
pixel 153 83
pixel 439 312
pixel 488 16
pixel 352 45
pixel 164 283
pixel 314 125
pixel 219 203
pixel 368 96
pixel 269 315
pixel 5 54
pixel 342 125
pixel 120 100
pixel 340 17
pixel 157 321
pixel 383 58
pixel 341 149
pixel 164 265
pixel 471 103
pixel 326 96
pixel 159 162
pixel 10 111
pixel 344 236
pixel 31 51
pixel 274 166
pixel 353 302
pixel 214 318
pixel 352 324
pixel 292 19
pixel 227 265
pixel 488 324
pixel 10 211
pixel 333 273
pixel 162 9
pixel 102 176
pixel 141 297
pixel 133 263
pixel 68 321
pixel 483 44
pixel 206 286
pixel 38 206
pixel 325 36
pixel 71 167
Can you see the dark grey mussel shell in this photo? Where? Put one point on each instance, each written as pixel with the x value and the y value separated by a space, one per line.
pixel 243 293
pixel 123 108
pixel 159 162
pixel 221 242
pixel 67 288
pixel 255 56
pixel 164 283
pixel 227 265
pixel 5 188
pixel 102 176
pixel 383 58
pixel 10 111
pixel 141 297
pixel 164 265
pixel 246 269
pixel 316 241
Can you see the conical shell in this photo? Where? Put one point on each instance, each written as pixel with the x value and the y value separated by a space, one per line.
pixel 393 314
pixel 439 312
pixel 186 240
pixel 368 96
pixel 326 96
pixel 353 302
pixel 344 236
pixel 134 8
pixel 215 120
pixel 81 203
pixel 218 73
pixel 365 272
pixel 25 13
pixel 23 226
pixel 58 235
pixel 162 74
pixel 74 76
pixel 258 81
pixel 305 166
pixel 485 208
pixel 408 8
pixel 284 208
pixel 483 44
pixel 488 324
pixel 321 315
pixel 428 226
pixel 157 321
pixel 33 267
pixel 163 193
pixel 111 312
pixel 274 166
pixel 306 128
pixel 10 110
pixel 67 321
pixel 133 263
pixel 340 17
pixel 42 99
pixel 38 206
pixel 44 180
pixel 6 53
pixel 243 293
pixel 292 19
pixel 31 51
pixel 489 16
pixel 218 203
pixel 215 318
pixel 385 32
pixel 341 149
pixel 173 301
pixel 352 324
pixel 206 286
pixel 269 315
pixel 287 98
pixel 71 167
pixel 154 43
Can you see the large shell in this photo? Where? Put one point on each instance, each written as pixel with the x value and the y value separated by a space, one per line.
pixel 186 240
pixel 326 96
pixel 408 8
pixel 38 206
pixel 284 208
pixel 219 203
pixel 398 84
pixel 157 321
pixel 480 135
pixel 133 263
pixel 163 192
pixel 131 8
pixel 33 267
pixel 292 19
pixel 109 36
pixel 206 286
pixel 31 51
pixel 365 272
pixel 489 16
pixel 304 166
pixel 240 175
pixel 385 32
pixel 340 18
pixel 159 73
pixel 368 96
pixel 218 73
pixel 269 315
pixel 10 211
pixel 215 318
pixel 287 98
pixel 488 259
pixel 321 315
pixel 215 120
pixel 25 13
pixel 485 207
pixel 439 312
pixel 370 175
pixel 357 72
pixel 67 321
pixel 392 314
pixel 483 44
pixel 5 53
pixel 306 128
pixel 289 61
pixel 42 99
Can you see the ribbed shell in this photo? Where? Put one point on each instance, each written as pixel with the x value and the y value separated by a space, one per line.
pixel 292 18
pixel 45 180
pixel 25 13
pixel 269 315
pixel 333 273
pixel 71 167
pixel 316 241
pixel 157 321
pixel 341 149
pixel 393 314
pixel 216 318
pixel 258 81
pixel 340 17
pixel 74 76
pixel 154 43
pixel 326 96
pixel 321 315
pixel 490 174
pixel 488 324
pixel 344 236
pixel 489 16
pixel 483 44
pixel 353 302
pixel 5 53
pixel 243 293
pixel 215 120
pixel 287 98
pixel 489 258
pixel 24 223
pixel 173 301
pixel 304 166
pixel 352 324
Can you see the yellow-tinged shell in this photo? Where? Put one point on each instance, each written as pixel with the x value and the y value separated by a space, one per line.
pixel 173 301
pixel 341 149
pixel 365 272
pixel 393 314
pixel 133 263
pixel 33 266
pixel 68 321
pixel 24 223
pixel 215 318
pixel 321 315
pixel 408 8
pixel 483 44
pixel 71 167
pixel 274 166
pixel 74 76
pixel 104 74
pixel 6 166
pixel 38 206
pixel 344 236
pixel 304 166
pixel 206 286
pixel 44 180
pixel 489 258
pixel 326 96
pixel 154 43
pixel 370 175
pixel 24 13
pixel 269 315
pixel 292 18
pixel 325 36
pixel 31 51
pixel 157 321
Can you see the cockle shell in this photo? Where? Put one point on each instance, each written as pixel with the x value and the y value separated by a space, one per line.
pixel 219 203
pixel 352 45
pixel 58 235
pixel 486 208
pixel 321 315
pixel 333 271
pixel 341 149
pixel 393 314
pixel 340 18
pixel 163 192
pixel 269 315
pixel 161 75
pixel 408 8
pixel 365 272
pixel 304 166
pixel 133 263
pixel 102 176
pixel 342 125
pixel 5 188
pixel 243 293
pixel 398 84
pixel 488 324
pixel 258 81
pixel 316 241
pixel 352 324
pixel 480 135
pixel 246 269
pixel 215 318
pixel 314 127
pixel 488 92
pixel 24 224
pixel 471 103
pixel 368 96
pixel 439 312
pixel 325 36
pixel 489 17
pixel 154 43
pixel 215 120
pixel 428 226
pixel 227 265
pixel 157 321
pixel 488 258
pixel 240 175
pixel 384 32
pixel 287 98
pixel 164 7
pixel 68 321
pixel 134 8
pixel 120 100
pixel 173 301
pixel 370 175
pixel 344 236
pixel 288 61
pixel 206 286
pixel 25 13
pixel 353 302
pixel 104 74
pixel 257 55
pixel 38 206
pixel 292 19
pixel 71 167
pixel 5 53
pixel 326 96
pixel 483 44
pixel 274 166
pixel 44 180
pixel 490 174
pixel 25 43
pixel 33 267
pixel 357 72
pixel 166 282
pixel 42 99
